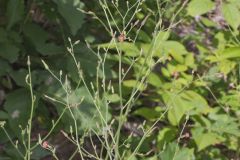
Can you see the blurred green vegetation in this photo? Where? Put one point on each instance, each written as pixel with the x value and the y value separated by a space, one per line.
pixel 190 94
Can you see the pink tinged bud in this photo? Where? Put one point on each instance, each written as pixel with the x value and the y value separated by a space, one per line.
pixel 45 145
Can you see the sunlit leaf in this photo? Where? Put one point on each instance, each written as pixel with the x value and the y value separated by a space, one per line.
pixel 199 7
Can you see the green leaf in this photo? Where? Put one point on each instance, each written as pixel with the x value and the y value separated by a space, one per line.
pixel 183 103
pixel 19 77
pixel 165 136
pixel 130 49
pixel 231 14
pixel 3 36
pixel 173 152
pixel 3 115
pixel 148 113
pixel 231 99
pixel 224 124
pixel 38 37
pixel 134 84
pixel 113 98
pixel 204 140
pixel 226 66
pixel 156 45
pixel 229 53
pixel 35 33
pixel 4 67
pixel 69 11
pixel 199 7
pixel 84 111
pixel 189 60
pixel 174 48
pixel 15 12
pixel 49 49
pixel 233 52
pixel 9 52
pixel 154 80
pixel 161 37
pixel 18 106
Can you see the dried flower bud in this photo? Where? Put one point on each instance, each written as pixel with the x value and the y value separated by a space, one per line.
pixel 45 145
pixel 121 37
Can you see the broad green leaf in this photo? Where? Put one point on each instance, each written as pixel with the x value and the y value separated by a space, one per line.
pixel 199 7
pixel 203 139
pixel 148 113
pixel 3 115
pixel 165 72
pixel 224 124
pixel 69 11
pixel 174 48
pixel 189 60
pixel 4 67
pixel 176 68
pixel 226 66
pixel 165 136
pixel 228 127
pixel 220 37
pixel 173 152
pixel 143 36
pixel 35 34
pixel 19 76
pixel 130 49
pixel 15 12
pixel 154 80
pixel 113 98
pixel 229 53
pixel 84 111
pixel 49 49
pixel 187 102
pixel 207 22
pixel 134 84
pixel 18 106
pixel 160 37
pixel 156 45
pixel 88 62
pixel 39 153
pixel 9 52
pixel 231 14
pixel 231 99
pixel 38 37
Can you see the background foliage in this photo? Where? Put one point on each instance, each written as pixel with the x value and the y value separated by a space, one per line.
pixel 191 97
